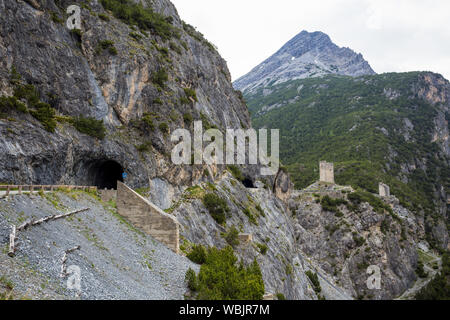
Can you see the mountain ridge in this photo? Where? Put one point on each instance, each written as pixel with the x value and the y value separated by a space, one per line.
pixel 308 54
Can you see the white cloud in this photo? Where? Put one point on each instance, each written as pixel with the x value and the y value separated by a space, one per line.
pixel 393 35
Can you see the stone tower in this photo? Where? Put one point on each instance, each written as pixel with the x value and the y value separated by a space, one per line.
pixel 326 172
pixel 384 190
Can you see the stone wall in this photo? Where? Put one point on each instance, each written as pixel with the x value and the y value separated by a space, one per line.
pixel 149 218
pixel 384 190
pixel 107 195
pixel 326 172
pixel 245 238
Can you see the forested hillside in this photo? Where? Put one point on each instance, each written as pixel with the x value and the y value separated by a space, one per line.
pixel 391 128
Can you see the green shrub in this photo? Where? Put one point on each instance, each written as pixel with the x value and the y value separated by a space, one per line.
pixel 144 18
pixel 236 172
pixel 315 281
pixel 11 103
pixel 147 120
pixel 157 101
pixel 175 48
pixel 184 100
pixel 14 76
pixel 144 147
pixel 192 280
pixel 332 228
pixel 77 34
pixel 362 266
pixel 262 248
pixel 232 237
pixel 420 271
pixel 46 115
pixel 160 77
pixel 197 254
pixel 104 17
pixel 27 92
pixel 384 226
pixel 217 207
pixel 280 296
pixel 205 122
pixel 190 93
pixel 164 51
pixel 363 196
pixel 221 278
pixel 329 204
pixel 250 216
pixel 260 210
pixel 339 214
pixel 136 36
pixel 164 127
pixel 42 111
pixel 358 240
pixel 90 126
pixel 55 17
pixel 187 117
pixel 106 45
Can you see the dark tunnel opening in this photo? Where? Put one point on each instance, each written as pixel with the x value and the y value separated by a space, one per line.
pixel 248 183
pixel 105 174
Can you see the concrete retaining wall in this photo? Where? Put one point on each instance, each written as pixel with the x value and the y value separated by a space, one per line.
pixel 107 195
pixel 146 216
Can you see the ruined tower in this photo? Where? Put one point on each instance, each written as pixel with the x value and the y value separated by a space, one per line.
pixel 326 172
pixel 384 190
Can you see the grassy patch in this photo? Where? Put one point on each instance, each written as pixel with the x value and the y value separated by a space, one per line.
pixel 145 18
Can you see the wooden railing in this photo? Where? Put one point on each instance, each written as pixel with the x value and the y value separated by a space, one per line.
pixel 31 188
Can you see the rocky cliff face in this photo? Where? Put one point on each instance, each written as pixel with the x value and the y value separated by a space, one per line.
pixel 82 75
pixel 143 85
pixel 306 55
pixel 346 242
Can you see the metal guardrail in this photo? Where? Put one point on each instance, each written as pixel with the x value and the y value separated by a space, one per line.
pixel 31 188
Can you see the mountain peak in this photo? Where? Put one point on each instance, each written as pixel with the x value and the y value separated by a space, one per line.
pixel 308 54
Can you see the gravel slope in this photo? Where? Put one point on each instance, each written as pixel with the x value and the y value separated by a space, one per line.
pixel 116 261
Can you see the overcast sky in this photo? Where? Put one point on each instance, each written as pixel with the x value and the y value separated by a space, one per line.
pixel 393 35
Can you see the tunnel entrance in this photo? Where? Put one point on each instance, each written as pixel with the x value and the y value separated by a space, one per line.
pixel 248 183
pixel 105 174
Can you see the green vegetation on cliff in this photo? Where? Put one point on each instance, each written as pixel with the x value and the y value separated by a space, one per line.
pixel 145 18
pixel 439 287
pixel 221 277
pixel 217 207
pixel 374 128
